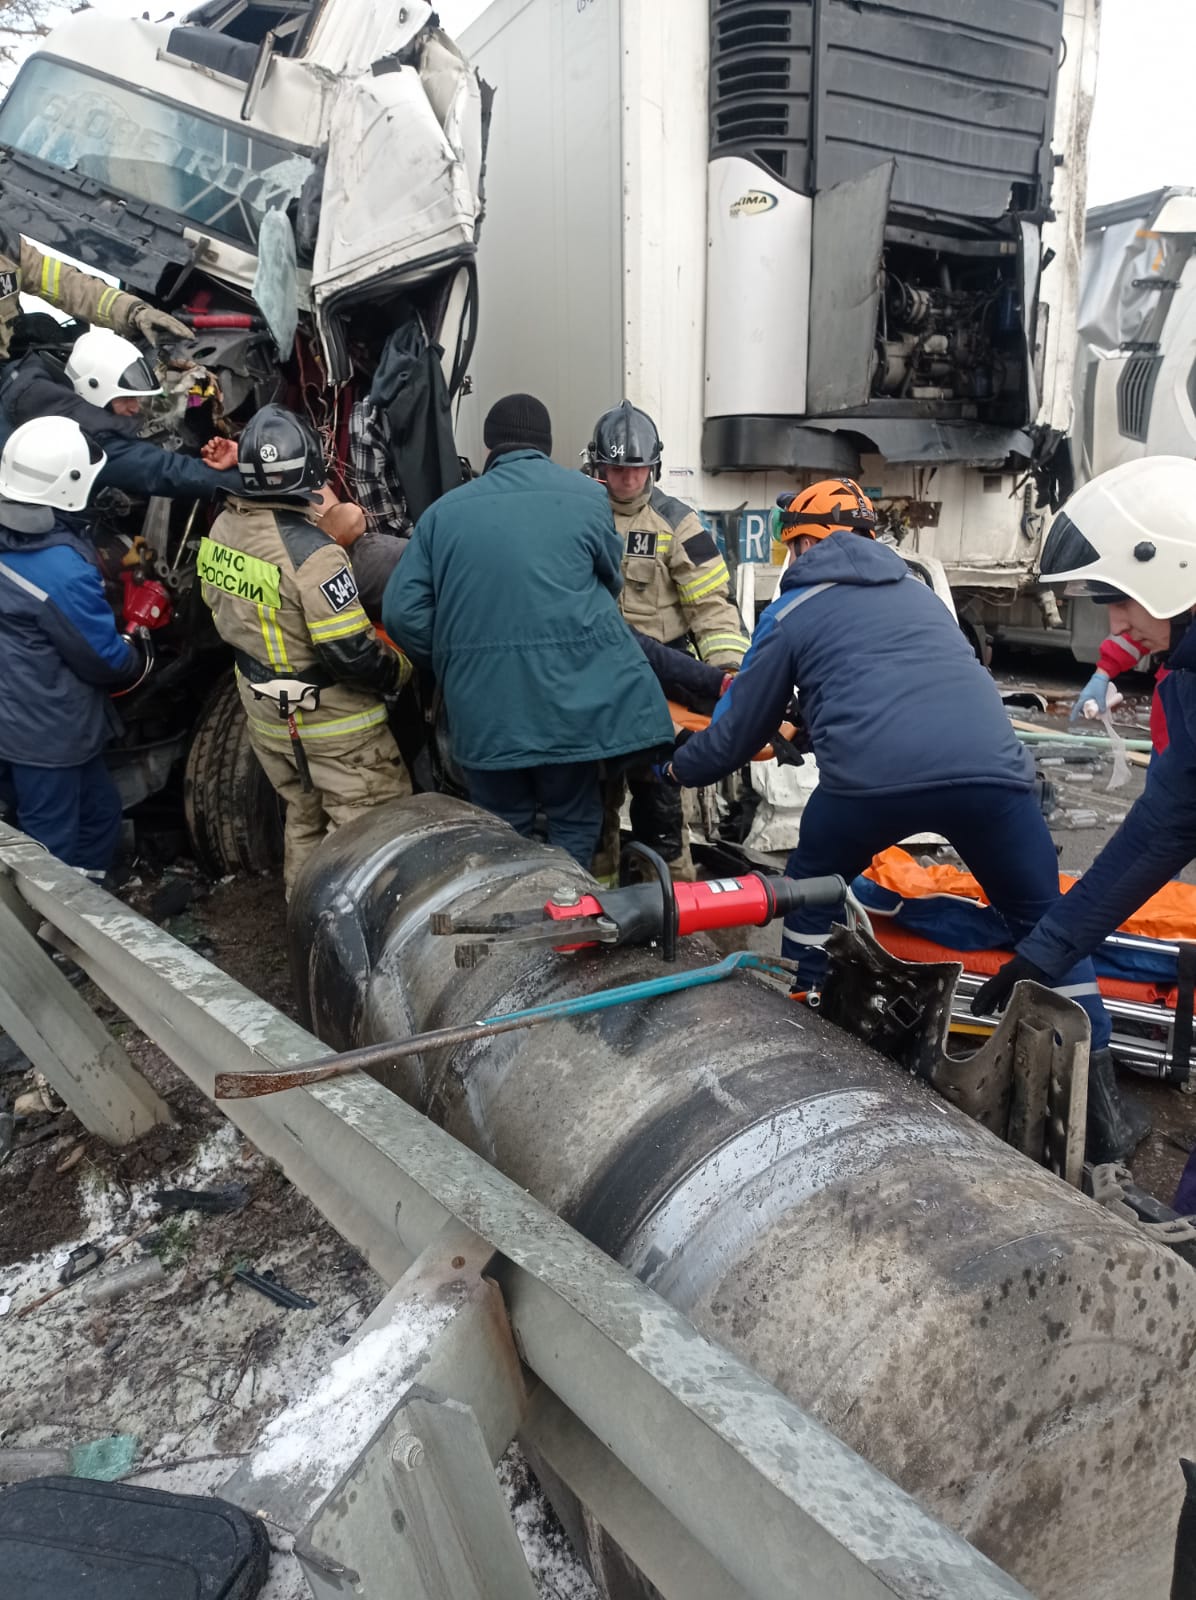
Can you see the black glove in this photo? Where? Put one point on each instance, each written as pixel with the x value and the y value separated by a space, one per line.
pixel 786 752
pixel 993 996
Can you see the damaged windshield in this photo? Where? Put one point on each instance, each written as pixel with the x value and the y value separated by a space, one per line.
pixel 217 177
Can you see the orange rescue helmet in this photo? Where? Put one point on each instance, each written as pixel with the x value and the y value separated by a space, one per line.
pixel 834 505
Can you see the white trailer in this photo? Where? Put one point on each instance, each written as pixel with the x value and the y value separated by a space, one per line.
pixel 810 238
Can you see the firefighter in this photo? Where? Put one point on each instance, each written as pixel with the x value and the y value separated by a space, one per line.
pixel 60 652
pixel 23 268
pixel 1129 537
pixel 676 589
pixel 103 386
pixel 283 597
pixel 909 734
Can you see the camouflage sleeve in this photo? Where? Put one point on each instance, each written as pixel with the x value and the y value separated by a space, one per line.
pixel 341 634
pixel 703 587
pixel 77 293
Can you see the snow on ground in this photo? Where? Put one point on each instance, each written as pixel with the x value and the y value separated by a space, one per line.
pixel 204 1371
pixel 558 1573
pixel 320 1435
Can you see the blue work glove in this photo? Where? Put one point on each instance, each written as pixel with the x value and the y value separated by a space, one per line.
pixel 663 772
pixel 1097 688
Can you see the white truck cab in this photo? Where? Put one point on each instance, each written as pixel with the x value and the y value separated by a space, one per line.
pixel 312 158
pixel 1136 365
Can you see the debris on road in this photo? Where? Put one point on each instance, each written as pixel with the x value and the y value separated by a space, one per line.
pixel 268 1284
pixel 228 1197
pixel 83 1258
pixel 111 1285
pixel 106 1460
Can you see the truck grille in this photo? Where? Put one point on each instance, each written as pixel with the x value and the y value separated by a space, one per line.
pixel 1135 391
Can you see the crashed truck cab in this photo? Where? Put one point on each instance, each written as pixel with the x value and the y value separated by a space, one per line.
pixel 311 160
pixel 303 178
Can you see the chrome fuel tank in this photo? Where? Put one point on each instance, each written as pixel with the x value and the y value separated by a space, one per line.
pixel 1003 1348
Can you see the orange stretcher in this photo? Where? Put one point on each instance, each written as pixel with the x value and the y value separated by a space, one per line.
pixel 694 722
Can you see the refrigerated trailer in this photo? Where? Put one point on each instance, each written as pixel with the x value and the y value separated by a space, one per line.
pixel 811 238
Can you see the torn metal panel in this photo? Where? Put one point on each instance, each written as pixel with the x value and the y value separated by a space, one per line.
pixel 375 231
pixel 845 284
pixel 1028 1083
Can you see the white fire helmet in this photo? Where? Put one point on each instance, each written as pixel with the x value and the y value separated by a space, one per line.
pixel 1130 533
pixel 50 462
pixel 104 367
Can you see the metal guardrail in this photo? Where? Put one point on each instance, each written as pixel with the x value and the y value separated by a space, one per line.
pixel 715 1483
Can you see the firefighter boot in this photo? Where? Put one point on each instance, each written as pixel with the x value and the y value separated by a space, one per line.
pixel 1115 1130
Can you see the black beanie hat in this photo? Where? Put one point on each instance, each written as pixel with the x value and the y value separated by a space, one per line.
pixel 518 422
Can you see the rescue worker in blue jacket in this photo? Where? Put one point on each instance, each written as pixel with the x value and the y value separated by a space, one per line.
pixel 1128 535
pixel 509 591
pixel 61 656
pixel 103 386
pixel 909 734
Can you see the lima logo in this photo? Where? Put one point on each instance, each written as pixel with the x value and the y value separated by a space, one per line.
pixel 753 203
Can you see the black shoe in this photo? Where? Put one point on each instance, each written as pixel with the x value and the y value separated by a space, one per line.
pixel 1115 1129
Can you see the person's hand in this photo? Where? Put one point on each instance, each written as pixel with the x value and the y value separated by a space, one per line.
pixel 1093 697
pixel 220 454
pixel 159 326
pixel 663 772
pixel 345 522
pixel 992 997
pixel 728 680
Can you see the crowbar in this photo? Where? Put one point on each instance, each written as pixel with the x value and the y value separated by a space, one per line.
pixel 251 1085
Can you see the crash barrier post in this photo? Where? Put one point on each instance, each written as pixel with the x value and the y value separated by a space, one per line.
pixel 714 1482
pixel 63 1038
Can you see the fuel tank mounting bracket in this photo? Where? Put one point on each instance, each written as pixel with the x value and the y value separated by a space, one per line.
pixel 1028 1083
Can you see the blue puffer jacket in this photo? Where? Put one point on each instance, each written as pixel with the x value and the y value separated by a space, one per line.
pixel 1154 843
pixel 507 592
pixel 60 652
pixel 37 386
pixel 891 693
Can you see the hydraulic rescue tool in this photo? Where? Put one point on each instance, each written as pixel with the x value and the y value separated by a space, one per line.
pixel 639 913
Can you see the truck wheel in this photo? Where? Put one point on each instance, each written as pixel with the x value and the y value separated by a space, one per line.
pixel 233 814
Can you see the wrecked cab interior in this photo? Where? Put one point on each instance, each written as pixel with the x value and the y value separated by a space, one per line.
pixel 301 185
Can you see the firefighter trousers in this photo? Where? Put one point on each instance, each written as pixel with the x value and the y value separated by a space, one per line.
pixel 347 782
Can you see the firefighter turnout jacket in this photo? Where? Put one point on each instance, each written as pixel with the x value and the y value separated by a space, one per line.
pixel 675 582
pixel 282 594
pixel 23 267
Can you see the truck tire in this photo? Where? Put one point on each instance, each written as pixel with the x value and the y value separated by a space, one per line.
pixel 233 814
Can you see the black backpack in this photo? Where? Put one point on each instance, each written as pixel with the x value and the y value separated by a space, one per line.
pixel 76 1539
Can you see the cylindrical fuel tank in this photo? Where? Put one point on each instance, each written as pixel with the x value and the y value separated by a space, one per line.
pixel 1006 1350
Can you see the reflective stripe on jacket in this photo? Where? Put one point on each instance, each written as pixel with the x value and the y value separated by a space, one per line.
pixel 79 294
pixel 283 596
pixel 675 582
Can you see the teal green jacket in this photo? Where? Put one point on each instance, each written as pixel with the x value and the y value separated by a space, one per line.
pixel 508 593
